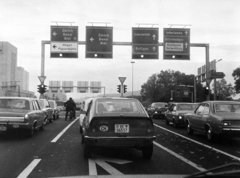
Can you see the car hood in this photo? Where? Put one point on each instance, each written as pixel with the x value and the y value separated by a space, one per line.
pixel 229 116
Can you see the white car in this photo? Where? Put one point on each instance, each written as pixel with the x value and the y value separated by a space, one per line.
pixel 83 112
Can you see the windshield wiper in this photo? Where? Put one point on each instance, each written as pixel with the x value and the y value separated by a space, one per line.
pixel 227 170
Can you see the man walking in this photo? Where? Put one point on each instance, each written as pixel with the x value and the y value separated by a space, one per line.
pixel 70 106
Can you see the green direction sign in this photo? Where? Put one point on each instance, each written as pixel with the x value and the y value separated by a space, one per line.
pixel 176 43
pixel 214 75
pixel 144 43
pixel 99 42
pixel 64 42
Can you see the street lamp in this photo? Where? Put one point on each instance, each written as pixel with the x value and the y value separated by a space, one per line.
pixel 215 81
pixel 132 77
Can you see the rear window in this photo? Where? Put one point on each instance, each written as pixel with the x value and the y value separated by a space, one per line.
pixel 118 105
pixel 159 104
pixel 14 104
pixel 227 108
pixel 187 107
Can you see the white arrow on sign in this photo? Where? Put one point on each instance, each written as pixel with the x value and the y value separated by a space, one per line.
pixel 186 45
pixel 154 36
pixel 42 78
pixel 92 39
pixel 54 33
pixel 101 161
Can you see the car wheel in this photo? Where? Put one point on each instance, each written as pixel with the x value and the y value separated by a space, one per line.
pixel 87 151
pixel 42 127
pixel 175 125
pixel 147 151
pixel 30 132
pixel 166 121
pixel 51 120
pixel 210 135
pixel 189 129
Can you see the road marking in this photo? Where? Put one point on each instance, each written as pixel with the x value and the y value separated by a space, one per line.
pixel 101 161
pixel 29 169
pixel 202 144
pixel 179 157
pixel 63 131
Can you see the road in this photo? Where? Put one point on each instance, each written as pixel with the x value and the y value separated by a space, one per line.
pixel 57 152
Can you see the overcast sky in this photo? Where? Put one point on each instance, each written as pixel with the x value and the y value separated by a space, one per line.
pixel 25 23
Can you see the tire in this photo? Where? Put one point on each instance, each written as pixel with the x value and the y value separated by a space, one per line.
pixel 51 120
pixel 175 125
pixel 210 134
pixel 30 132
pixel 147 151
pixel 87 152
pixel 189 129
pixel 166 121
pixel 42 127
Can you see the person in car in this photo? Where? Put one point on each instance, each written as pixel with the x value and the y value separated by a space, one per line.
pixel 70 106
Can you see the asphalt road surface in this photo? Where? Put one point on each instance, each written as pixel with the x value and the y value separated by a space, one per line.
pixel 57 152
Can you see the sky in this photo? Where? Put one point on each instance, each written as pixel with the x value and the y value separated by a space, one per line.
pixel 26 23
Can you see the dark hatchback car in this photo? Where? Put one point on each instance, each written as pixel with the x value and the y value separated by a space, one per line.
pixel 215 118
pixel 117 122
pixel 157 109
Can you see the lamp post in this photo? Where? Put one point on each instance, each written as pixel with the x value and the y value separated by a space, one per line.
pixel 132 77
pixel 215 81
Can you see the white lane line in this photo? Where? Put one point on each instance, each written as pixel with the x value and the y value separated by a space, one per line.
pixel 29 169
pixel 63 131
pixel 92 167
pixel 179 157
pixel 202 144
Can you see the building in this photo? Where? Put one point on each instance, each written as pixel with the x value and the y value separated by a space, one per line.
pixel 14 81
pixel 8 62
pixel 58 96
pixel 23 78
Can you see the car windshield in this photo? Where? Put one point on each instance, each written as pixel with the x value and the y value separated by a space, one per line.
pixel 51 104
pixel 41 103
pixel 227 108
pixel 186 107
pixel 14 104
pixel 118 105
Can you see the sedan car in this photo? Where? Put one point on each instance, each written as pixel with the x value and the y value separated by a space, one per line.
pixel 117 122
pixel 215 118
pixel 176 113
pixel 56 110
pixel 157 109
pixel 20 113
pixel 45 106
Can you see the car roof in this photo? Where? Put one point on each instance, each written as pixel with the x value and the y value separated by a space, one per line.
pixel 220 101
pixel 25 98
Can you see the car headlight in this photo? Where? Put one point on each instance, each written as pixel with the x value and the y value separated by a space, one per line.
pixel 180 117
pixel 226 123
pixel 26 118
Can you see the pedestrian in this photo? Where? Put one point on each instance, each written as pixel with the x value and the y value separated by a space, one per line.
pixel 70 106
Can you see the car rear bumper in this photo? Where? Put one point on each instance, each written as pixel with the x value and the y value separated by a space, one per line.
pixel 119 141
pixel 13 126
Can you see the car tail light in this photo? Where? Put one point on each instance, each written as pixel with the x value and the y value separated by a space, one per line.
pixel 26 118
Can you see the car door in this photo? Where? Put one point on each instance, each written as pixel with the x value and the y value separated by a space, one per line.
pixel 169 112
pixel 204 118
pixel 196 117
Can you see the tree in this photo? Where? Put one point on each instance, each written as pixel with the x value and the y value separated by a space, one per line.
pixel 236 75
pixel 159 86
pixel 224 90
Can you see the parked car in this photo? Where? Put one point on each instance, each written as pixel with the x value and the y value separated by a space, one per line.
pixel 176 113
pixel 215 118
pixel 83 112
pixel 45 106
pixel 117 122
pixel 61 106
pixel 20 113
pixel 157 109
pixel 56 110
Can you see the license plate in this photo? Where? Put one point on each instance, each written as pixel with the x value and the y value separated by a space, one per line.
pixel 3 128
pixel 122 128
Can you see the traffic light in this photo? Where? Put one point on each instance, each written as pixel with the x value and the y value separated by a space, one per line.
pixel 119 88
pixel 206 90
pixel 42 89
pixel 124 88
